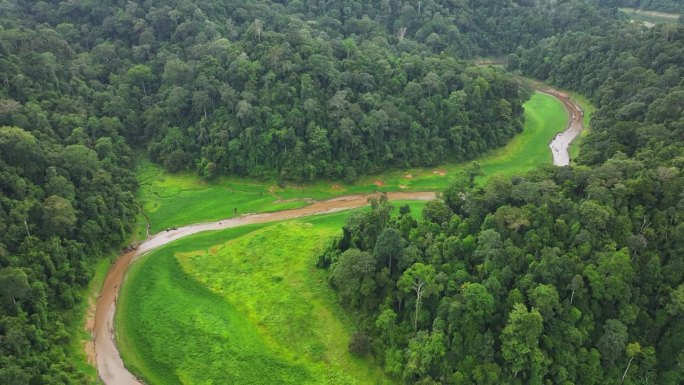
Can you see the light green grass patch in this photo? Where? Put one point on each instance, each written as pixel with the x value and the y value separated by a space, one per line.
pixel 240 306
pixel 171 200
pixel 545 117
pixel 653 17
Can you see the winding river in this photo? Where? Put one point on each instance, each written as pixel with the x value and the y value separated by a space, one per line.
pixel 102 350
pixel 560 144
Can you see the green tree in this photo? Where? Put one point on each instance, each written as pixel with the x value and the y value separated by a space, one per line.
pixel 437 211
pixel 424 350
pixel 59 216
pixel 141 76
pixel 612 343
pixel 14 286
pixel 520 343
pixel 389 246
pixel 633 350
pixel 353 276
pixel 421 279
pixel 545 299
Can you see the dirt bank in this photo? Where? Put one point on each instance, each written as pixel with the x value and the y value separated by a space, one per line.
pixel 109 364
pixel 560 144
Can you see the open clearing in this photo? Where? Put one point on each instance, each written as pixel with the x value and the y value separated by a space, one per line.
pixel 173 200
pixel 652 17
pixel 240 306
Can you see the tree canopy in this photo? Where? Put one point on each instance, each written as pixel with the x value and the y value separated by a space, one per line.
pixel 570 275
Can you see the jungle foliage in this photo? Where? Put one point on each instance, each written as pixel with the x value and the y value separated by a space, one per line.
pixel 566 275
pixel 298 90
pixel 235 87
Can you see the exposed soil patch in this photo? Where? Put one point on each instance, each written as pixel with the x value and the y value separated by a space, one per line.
pixel 307 200
pixel 403 186
pixel 336 186
pixel 378 183
pixel 439 172
pixel 496 61
pixel 89 348
pixel 109 364
pixel 408 176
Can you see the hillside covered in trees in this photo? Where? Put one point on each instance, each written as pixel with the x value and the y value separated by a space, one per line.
pixel 332 89
pixel 260 88
pixel 567 275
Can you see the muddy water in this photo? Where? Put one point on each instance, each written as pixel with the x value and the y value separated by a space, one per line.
pixel 109 364
pixel 560 144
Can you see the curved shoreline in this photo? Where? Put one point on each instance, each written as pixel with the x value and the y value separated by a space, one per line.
pixel 102 350
pixel 110 366
pixel 561 143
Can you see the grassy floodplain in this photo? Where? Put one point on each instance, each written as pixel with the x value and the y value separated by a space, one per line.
pixel 247 305
pixel 171 200
pixel 652 17
pixel 240 306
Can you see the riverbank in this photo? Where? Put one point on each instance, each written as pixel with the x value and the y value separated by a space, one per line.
pixel 110 366
pixel 561 143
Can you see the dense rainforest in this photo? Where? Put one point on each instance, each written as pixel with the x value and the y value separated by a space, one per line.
pixel 296 90
pixel 566 275
pixel 292 90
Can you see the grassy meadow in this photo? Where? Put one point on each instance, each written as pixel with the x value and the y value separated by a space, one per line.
pixel 240 306
pixel 652 17
pixel 171 200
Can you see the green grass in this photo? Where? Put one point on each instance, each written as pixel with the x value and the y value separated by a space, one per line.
pixel 171 200
pixel 545 117
pixel 651 16
pixel 240 306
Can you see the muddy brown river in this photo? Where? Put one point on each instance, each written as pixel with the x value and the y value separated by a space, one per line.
pixel 102 350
